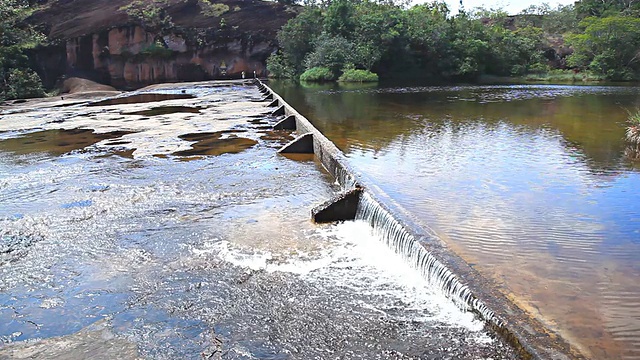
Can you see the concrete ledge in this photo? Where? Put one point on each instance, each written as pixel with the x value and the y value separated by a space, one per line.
pixel 463 284
pixel 274 103
pixel 303 144
pixel 288 123
pixel 279 111
pixel 342 207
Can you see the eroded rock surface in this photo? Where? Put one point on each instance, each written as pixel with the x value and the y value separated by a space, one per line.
pixel 98 40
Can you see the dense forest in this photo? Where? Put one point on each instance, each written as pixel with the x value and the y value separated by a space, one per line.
pixel 594 38
pixel 358 40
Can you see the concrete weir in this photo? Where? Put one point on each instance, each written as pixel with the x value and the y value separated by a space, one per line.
pixel 421 247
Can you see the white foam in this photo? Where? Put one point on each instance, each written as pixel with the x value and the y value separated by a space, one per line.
pixel 359 262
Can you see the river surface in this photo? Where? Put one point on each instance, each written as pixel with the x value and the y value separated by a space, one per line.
pixel 528 183
pixel 167 227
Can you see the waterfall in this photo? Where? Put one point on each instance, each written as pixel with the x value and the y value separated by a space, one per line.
pixel 399 239
pixel 344 178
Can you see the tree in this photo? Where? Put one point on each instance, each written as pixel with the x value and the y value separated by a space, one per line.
pixel 608 46
pixel 331 52
pixel 16 78
pixel 151 14
pixel 296 39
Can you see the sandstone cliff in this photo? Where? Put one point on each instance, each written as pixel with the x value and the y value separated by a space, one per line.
pixel 97 39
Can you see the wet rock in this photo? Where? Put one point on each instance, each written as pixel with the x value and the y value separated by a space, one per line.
pixel 96 341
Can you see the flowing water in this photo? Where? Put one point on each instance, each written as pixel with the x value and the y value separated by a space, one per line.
pixel 133 234
pixel 528 183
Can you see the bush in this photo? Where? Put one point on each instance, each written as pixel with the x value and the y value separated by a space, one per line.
pixel 157 50
pixel 317 74
pixel 20 84
pixel 353 75
pixel 633 130
pixel 212 10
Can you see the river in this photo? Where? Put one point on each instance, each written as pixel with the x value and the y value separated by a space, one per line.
pixel 167 227
pixel 528 183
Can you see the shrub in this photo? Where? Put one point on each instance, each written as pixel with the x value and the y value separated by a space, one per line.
pixel 20 84
pixel 356 75
pixel 212 10
pixel 279 67
pixel 633 130
pixel 157 50
pixel 317 74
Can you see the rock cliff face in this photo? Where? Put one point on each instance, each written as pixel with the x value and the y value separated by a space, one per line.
pixel 95 39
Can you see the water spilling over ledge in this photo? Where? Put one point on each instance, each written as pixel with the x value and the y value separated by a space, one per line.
pixel 419 246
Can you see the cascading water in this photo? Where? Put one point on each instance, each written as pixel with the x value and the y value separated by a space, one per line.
pixel 344 178
pixel 386 227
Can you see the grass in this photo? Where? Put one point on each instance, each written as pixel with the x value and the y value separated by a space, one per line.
pixel 564 76
pixel 353 75
pixel 317 74
pixel 633 130
pixel 633 135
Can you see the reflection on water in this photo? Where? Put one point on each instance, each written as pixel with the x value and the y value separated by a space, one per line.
pixel 529 184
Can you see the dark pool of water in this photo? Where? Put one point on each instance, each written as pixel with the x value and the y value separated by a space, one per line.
pixel 215 144
pixel 529 183
pixel 56 141
pixel 142 98
pixel 164 110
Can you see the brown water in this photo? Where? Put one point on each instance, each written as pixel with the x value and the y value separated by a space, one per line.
pixel 113 246
pixel 528 183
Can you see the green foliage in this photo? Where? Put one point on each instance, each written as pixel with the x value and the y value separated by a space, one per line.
pixel 22 83
pixel 425 40
pixel 633 129
pixel 563 76
pixel 560 20
pixel 156 50
pixel 212 10
pixel 332 52
pixel 340 18
pixel 151 14
pixel 608 46
pixel 17 79
pixel 357 75
pixel 297 38
pixel 317 74
pixel 607 8
pixel 279 68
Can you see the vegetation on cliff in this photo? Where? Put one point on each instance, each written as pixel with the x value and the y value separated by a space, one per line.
pixel 598 39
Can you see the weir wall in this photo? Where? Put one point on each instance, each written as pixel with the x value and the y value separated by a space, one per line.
pixel 423 248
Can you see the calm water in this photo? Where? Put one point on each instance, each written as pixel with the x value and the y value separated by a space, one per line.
pixel 183 235
pixel 529 183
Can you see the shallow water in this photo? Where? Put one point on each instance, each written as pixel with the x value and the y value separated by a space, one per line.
pixel 529 183
pixel 148 255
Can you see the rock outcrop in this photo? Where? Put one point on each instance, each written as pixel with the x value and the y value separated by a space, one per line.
pixel 97 40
